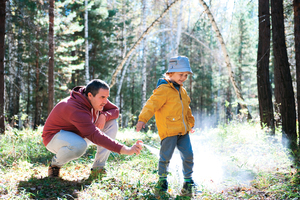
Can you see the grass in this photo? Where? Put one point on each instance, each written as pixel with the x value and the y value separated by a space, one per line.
pixel 236 161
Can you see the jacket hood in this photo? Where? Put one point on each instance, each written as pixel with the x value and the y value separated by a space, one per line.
pixel 78 93
pixel 162 81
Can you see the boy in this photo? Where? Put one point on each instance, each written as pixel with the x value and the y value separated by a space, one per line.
pixel 170 104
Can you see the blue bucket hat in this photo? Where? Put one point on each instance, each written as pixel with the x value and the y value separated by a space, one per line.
pixel 179 64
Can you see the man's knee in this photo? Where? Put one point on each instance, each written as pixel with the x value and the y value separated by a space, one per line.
pixel 78 149
pixel 111 128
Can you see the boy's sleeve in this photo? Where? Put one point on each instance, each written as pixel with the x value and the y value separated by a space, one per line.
pixel 154 103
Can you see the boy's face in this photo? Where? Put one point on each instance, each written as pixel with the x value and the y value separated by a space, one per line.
pixel 179 77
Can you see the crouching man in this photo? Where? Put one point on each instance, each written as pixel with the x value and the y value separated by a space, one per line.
pixel 85 117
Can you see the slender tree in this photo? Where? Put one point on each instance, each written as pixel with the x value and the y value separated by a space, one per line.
pixel 263 55
pixel 51 58
pixel 147 31
pixel 86 35
pixel 226 55
pixel 37 81
pixel 284 92
pixel 297 53
pixel 2 52
pixel 145 52
pixel 179 29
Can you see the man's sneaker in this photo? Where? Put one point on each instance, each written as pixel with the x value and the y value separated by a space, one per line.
pixel 188 188
pixel 97 173
pixel 162 185
pixel 53 171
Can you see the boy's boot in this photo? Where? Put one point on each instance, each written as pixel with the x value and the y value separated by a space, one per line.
pixel 53 171
pixel 162 184
pixel 188 187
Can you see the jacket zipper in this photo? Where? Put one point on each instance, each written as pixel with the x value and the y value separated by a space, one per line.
pixel 182 111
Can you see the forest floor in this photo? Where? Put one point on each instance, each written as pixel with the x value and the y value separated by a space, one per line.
pixel 236 161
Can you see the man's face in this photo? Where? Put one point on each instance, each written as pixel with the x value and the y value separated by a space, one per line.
pixel 99 100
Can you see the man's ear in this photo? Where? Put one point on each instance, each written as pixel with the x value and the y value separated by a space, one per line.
pixel 89 95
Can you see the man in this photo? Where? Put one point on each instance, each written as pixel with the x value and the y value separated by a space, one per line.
pixel 75 122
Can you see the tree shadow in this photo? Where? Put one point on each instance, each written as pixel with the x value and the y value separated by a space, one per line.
pixel 52 188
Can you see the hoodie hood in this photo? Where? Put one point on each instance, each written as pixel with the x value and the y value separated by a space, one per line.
pixel 79 94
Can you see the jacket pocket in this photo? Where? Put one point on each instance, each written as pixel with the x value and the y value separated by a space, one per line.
pixel 174 124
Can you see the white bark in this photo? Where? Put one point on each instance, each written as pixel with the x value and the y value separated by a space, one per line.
pixel 86 35
pixel 172 48
pixel 179 29
pixel 118 103
pixel 144 48
pixel 227 59
pixel 147 31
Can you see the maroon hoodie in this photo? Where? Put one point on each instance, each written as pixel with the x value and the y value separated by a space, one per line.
pixel 74 114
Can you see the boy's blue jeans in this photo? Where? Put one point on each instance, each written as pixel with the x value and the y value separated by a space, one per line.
pixel 183 144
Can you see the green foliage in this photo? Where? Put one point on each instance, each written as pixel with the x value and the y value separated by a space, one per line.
pixel 24 161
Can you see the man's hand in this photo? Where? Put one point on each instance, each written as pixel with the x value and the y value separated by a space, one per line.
pixel 135 149
pixel 140 125
pixel 100 122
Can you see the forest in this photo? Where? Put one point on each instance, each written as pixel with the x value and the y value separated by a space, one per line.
pixel 245 58
pixel 243 55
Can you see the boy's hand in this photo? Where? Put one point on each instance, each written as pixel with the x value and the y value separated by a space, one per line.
pixel 192 131
pixel 140 125
pixel 135 149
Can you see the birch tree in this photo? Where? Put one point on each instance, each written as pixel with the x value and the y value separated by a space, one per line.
pixel 86 35
pixel 144 50
pixel 145 33
pixel 227 59
pixel 171 37
pixel 179 29
pixel 124 48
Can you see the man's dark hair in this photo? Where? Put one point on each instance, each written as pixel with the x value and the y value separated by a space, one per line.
pixel 94 85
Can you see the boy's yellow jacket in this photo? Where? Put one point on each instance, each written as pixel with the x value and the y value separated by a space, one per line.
pixel 173 114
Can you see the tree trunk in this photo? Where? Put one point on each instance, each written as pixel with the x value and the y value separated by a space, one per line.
pixel 51 58
pixel 2 53
pixel 263 55
pixel 227 59
pixel 297 53
pixel 228 106
pixel 144 59
pixel 284 93
pixel 123 48
pixel 147 31
pixel 171 36
pixel 17 79
pixel 118 96
pixel 179 29
pixel 37 83
pixel 86 35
